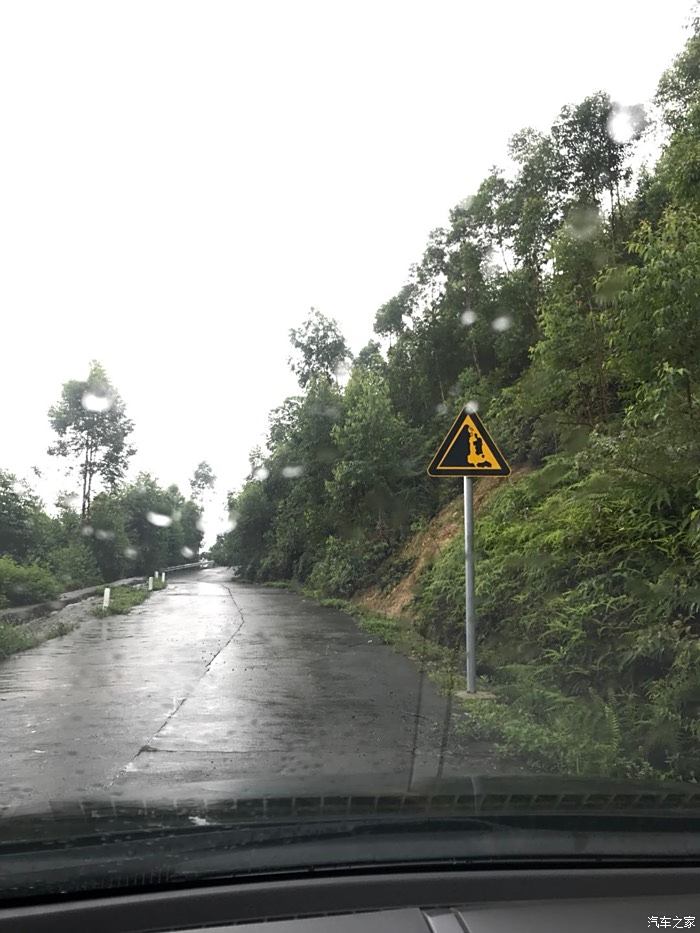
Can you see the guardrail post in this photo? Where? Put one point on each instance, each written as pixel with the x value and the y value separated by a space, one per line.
pixel 150 584
pixel 105 598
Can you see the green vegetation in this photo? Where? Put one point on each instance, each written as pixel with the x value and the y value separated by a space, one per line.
pixel 24 585
pixel 113 529
pixel 561 299
pixel 122 600
pixel 14 638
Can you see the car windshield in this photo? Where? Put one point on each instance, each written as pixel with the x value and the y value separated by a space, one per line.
pixel 350 411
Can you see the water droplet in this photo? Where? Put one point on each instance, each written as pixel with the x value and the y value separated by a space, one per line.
pixel 472 405
pixel 468 317
pixel 187 552
pixel 441 408
pixel 103 535
pixel 177 515
pixel 292 472
pixel 160 521
pixel 199 524
pixel 261 473
pixel 502 322
pixel 86 531
pixel 342 372
pixel 583 223
pixel 131 553
pixel 93 402
pixel 199 821
pixel 625 123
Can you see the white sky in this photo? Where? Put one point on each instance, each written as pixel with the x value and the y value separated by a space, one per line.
pixel 180 182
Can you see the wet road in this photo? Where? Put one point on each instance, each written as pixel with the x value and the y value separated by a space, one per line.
pixel 215 686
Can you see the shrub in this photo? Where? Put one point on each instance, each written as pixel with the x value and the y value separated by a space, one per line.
pixel 340 569
pixel 24 585
pixel 14 638
pixel 73 566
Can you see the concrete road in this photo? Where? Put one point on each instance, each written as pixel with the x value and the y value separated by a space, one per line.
pixel 213 686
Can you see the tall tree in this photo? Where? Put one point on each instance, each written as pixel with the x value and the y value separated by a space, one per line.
pixel 203 478
pixel 320 349
pixel 92 427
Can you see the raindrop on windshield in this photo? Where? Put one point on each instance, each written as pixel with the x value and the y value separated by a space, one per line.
pixel 472 405
pixel 130 552
pixel 160 521
pixel 86 531
pixel 342 372
pixel 468 317
pixel 292 472
pixel 187 551
pixel 625 123
pixel 502 322
pixel 93 402
pixel 441 408
pixel 103 535
pixel 583 223
pixel 261 473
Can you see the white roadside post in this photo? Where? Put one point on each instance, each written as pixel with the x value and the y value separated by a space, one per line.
pixel 468 451
pixel 105 598
pixel 162 577
pixel 150 584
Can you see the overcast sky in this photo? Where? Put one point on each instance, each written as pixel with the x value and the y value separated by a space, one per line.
pixel 180 182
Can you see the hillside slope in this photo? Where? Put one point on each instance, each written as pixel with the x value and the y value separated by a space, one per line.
pixel 587 618
pixel 394 598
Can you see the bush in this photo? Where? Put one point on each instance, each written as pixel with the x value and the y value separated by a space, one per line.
pixel 73 566
pixel 339 571
pixel 25 585
pixel 14 638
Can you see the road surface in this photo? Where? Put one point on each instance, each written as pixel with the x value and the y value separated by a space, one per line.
pixel 217 686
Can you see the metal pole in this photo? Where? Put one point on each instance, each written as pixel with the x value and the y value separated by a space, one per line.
pixel 469 582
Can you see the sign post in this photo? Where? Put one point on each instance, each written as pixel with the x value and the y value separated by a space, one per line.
pixel 468 451
pixel 469 581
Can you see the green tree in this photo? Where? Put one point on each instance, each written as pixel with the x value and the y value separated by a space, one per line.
pixel 92 427
pixel 320 349
pixel 203 479
pixel 19 517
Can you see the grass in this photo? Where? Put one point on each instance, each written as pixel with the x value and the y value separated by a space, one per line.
pixel 14 638
pixel 122 600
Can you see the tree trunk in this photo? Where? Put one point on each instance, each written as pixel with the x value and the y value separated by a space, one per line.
pixel 90 472
pixel 85 473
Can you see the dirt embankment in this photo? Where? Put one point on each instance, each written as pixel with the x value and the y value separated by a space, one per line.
pixel 423 547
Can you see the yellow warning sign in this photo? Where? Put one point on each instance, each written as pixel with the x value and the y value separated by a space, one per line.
pixel 468 450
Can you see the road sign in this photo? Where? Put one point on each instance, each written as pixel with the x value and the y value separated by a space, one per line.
pixel 468 450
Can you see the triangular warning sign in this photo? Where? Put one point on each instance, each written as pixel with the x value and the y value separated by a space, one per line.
pixel 468 450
